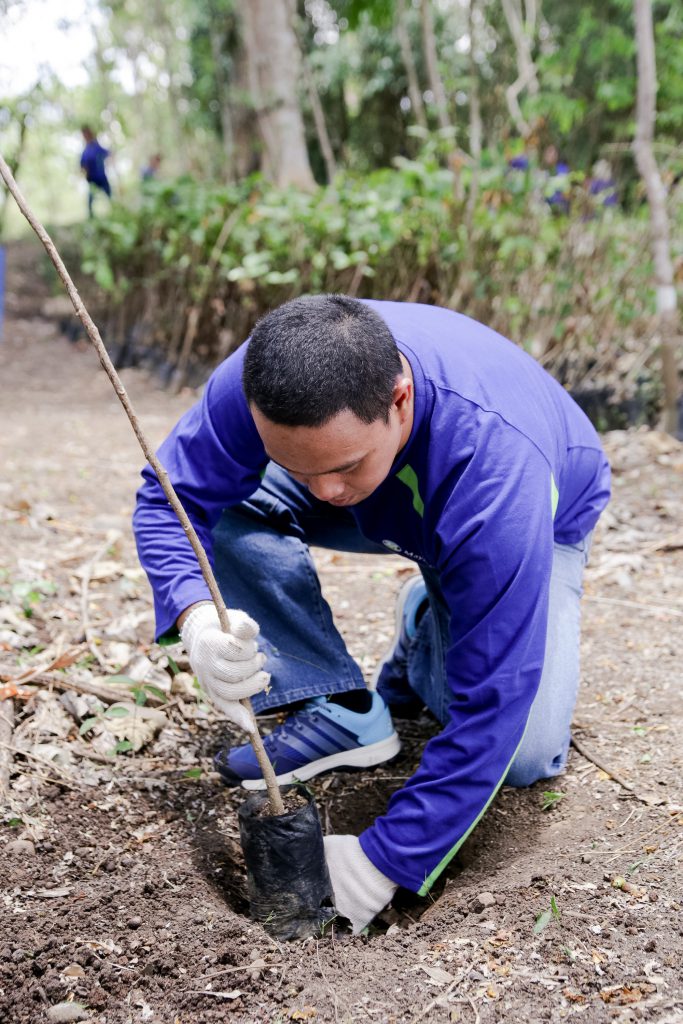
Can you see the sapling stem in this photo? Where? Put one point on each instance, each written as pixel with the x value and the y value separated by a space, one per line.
pixel 274 796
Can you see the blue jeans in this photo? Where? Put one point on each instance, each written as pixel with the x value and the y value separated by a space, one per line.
pixel 263 565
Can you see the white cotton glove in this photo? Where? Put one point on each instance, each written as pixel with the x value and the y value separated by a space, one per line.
pixel 360 889
pixel 227 665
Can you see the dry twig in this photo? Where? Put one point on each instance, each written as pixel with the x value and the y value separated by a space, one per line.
pixel 107 694
pixel 652 607
pixel 578 745
pixel 17 769
pixel 61 661
pixel 36 757
pixel 232 970
pixel 6 730
pixel 438 1000
pixel 208 992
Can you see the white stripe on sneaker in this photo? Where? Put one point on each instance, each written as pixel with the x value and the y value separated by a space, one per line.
pixel 358 757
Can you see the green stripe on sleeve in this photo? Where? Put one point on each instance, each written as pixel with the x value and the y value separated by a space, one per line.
pixel 445 861
pixel 554 495
pixel 408 476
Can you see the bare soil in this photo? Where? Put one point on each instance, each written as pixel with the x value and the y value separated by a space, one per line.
pixel 122 876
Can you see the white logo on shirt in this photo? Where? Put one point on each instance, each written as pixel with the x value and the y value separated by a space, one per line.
pixel 398 550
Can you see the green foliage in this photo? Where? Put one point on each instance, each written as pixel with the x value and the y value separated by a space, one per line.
pixel 26 593
pixel 120 680
pixel 554 283
pixel 551 798
pixel 588 77
pixel 172 79
pixel 587 72
pixel 544 918
pixel 377 12
pixel 120 748
pixel 116 712
pixel 88 724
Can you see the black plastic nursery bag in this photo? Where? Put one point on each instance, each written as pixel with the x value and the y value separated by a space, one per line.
pixel 290 892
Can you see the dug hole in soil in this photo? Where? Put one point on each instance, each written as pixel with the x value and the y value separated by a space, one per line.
pixel 123 879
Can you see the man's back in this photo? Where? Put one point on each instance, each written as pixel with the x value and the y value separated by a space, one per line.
pixel 474 387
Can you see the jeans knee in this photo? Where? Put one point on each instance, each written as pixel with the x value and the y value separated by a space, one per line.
pixel 532 766
pixel 522 774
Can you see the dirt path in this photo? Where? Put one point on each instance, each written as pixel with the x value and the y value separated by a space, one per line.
pixel 122 878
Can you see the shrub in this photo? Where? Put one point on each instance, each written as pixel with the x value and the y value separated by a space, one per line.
pixel 184 276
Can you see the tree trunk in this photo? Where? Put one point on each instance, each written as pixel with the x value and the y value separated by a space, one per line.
pixel 433 73
pixel 457 158
pixel 659 220
pixel 168 41
pixel 274 67
pixel 414 92
pixel 247 152
pixel 14 163
pixel 319 121
pixel 316 108
pixel 475 117
pixel 522 29
pixel 218 40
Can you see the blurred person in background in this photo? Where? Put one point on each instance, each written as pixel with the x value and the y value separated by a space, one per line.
pixel 602 184
pixel 151 171
pixel 557 183
pixel 92 164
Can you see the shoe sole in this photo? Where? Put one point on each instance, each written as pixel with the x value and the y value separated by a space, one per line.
pixel 359 757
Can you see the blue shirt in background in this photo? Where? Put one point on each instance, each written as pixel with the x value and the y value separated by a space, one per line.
pixel 92 162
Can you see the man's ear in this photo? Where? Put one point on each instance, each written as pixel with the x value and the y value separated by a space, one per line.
pixel 403 397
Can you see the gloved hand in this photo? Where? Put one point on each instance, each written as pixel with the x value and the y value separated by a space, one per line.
pixel 360 889
pixel 227 665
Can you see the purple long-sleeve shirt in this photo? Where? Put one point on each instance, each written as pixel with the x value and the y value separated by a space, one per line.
pixel 500 463
pixel 92 163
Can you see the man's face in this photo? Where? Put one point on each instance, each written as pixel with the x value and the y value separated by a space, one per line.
pixel 345 460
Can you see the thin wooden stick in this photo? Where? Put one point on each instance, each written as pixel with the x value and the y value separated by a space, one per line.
pixel 6 730
pixel 441 999
pixel 589 756
pixel 103 691
pixel 35 757
pixel 276 805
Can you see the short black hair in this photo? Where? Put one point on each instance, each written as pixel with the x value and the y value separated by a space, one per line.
pixel 313 357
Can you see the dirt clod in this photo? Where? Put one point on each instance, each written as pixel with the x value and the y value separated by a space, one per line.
pixel 21 848
pixel 482 902
pixel 65 1013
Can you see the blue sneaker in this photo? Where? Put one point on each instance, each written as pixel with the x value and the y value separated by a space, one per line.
pixel 390 678
pixel 319 737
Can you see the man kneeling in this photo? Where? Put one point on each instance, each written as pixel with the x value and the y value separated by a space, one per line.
pixel 374 427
